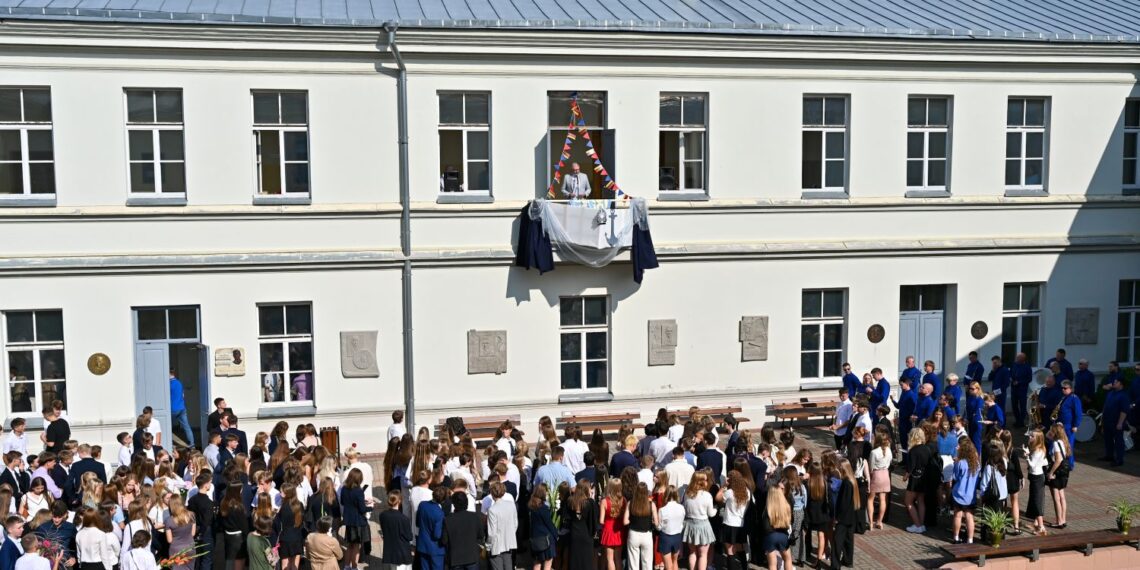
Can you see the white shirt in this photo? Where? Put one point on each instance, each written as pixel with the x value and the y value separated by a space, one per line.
pixel 700 508
pixel 645 476
pixel 1037 463
pixel 487 501
pixel 733 509
pixel 155 429
pixel 396 431
pixel 125 452
pixel 881 458
pixel 33 561
pixel 680 473
pixel 365 473
pixel 416 496
pixel 575 452
pixel 671 518
pixel 461 472
pixel 504 444
pixel 91 546
pixel 662 450
pixel 676 431
pixel 843 415
pixel 865 421
pixel 13 442
pixel 138 559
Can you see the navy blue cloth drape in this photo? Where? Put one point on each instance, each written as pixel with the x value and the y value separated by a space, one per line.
pixel 534 249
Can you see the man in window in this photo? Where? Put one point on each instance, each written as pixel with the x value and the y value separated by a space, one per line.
pixel 271 384
pixel 576 185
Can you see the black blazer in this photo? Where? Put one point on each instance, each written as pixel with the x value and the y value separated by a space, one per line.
pixel 19 484
pixel 396 529
pixel 845 504
pixel 85 465
pixel 242 447
pixel 463 532
pixel 214 420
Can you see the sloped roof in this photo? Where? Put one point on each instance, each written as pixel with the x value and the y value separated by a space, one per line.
pixel 1032 20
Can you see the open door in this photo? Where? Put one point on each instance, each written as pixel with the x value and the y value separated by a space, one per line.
pixel 152 382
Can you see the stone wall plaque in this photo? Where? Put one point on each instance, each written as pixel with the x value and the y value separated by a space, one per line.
pixel 486 352
pixel 663 342
pixel 1082 325
pixel 358 354
pixel 876 334
pixel 753 338
pixel 229 361
pixel 979 330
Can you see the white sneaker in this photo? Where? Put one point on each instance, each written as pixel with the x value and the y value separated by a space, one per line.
pixel 922 529
pixel 913 529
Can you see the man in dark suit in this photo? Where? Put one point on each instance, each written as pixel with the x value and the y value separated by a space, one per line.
pixel 14 475
pixel 62 469
pixel 463 532
pixel 72 487
pixel 141 424
pixel 625 457
pixel 711 457
pixel 590 473
pixel 214 420
pixel 229 426
pixel 202 505
pixel 227 452
pixel 12 549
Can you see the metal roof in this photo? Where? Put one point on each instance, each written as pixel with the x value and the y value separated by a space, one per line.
pixel 1032 20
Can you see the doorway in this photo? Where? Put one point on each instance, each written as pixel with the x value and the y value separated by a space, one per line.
pixel 167 341
pixel 922 326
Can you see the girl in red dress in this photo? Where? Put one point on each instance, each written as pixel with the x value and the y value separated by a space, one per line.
pixel 611 518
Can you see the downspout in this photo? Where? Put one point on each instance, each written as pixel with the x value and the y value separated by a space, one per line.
pixel 405 227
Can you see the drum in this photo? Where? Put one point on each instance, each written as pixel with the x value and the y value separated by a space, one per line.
pixel 1087 430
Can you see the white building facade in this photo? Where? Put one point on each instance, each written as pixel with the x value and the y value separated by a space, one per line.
pixel 174 189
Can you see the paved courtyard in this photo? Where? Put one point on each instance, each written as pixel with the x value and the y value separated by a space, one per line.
pixel 1092 486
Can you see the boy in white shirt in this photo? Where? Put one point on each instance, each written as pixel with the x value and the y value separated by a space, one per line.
pixel 155 427
pixel 396 430
pixel 15 440
pixel 645 476
pixel 31 560
pixel 126 448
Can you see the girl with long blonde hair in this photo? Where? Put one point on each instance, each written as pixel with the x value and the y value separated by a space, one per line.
pixel 698 532
pixel 776 520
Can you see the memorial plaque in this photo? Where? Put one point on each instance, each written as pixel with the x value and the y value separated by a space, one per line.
pixel 229 361
pixel 979 330
pixel 486 352
pixel 663 342
pixel 876 333
pixel 358 354
pixel 1082 325
pixel 753 338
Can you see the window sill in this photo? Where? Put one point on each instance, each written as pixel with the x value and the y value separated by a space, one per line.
pixel 156 200
pixel 676 196
pixel 927 193
pixel 280 200
pixel 464 198
pixel 28 201
pixel 820 384
pixel 824 195
pixel 1026 193
pixel 587 397
pixel 290 411
pixel 1130 192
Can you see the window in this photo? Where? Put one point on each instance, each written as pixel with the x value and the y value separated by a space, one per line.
pixel 1132 144
pixel 1021 321
pixel 37 369
pixel 281 135
pixel 1128 323
pixel 593 106
pixel 27 168
pixel 823 330
pixel 585 340
pixel 922 298
pixel 683 146
pixel 168 324
pixel 465 142
pixel 1025 143
pixel 825 143
pixel 154 140
pixel 927 143
pixel 285 333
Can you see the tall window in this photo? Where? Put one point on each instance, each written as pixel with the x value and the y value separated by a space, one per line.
pixel 825 143
pixel 1025 143
pixel 823 329
pixel 37 369
pixel 1021 321
pixel 465 142
pixel 1132 144
pixel 154 137
pixel 281 135
pixel 682 146
pixel 1128 322
pixel 585 341
pixel 927 143
pixel 285 333
pixel 26 151
pixel 593 106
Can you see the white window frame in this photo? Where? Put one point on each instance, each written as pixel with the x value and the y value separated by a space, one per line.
pixel 285 340
pixel 1022 159
pixel 465 128
pixel 1131 354
pixel 23 126
pixel 1020 314
pixel 926 129
pixel 35 347
pixel 682 156
pixel 582 330
pixel 281 128
pixel 155 127
pixel 821 380
pixel 1134 132
pixel 824 129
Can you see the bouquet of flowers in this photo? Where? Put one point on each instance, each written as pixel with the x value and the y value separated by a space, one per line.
pixel 183 557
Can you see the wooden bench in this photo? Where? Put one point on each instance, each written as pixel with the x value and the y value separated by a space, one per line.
pixel 788 411
pixel 717 412
pixel 482 428
pixel 607 421
pixel 1035 545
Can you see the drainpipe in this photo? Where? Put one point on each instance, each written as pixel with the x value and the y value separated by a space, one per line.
pixel 405 227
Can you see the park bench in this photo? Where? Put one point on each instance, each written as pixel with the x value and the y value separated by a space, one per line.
pixel 715 411
pixel 608 421
pixel 788 411
pixel 482 428
pixel 1033 546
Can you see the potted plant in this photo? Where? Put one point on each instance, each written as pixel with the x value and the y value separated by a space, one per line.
pixel 1125 513
pixel 995 522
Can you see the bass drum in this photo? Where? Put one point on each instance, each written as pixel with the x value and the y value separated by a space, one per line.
pixel 1087 430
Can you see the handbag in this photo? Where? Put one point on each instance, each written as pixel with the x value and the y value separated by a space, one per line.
pixel 272 554
pixel 992 496
pixel 540 543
